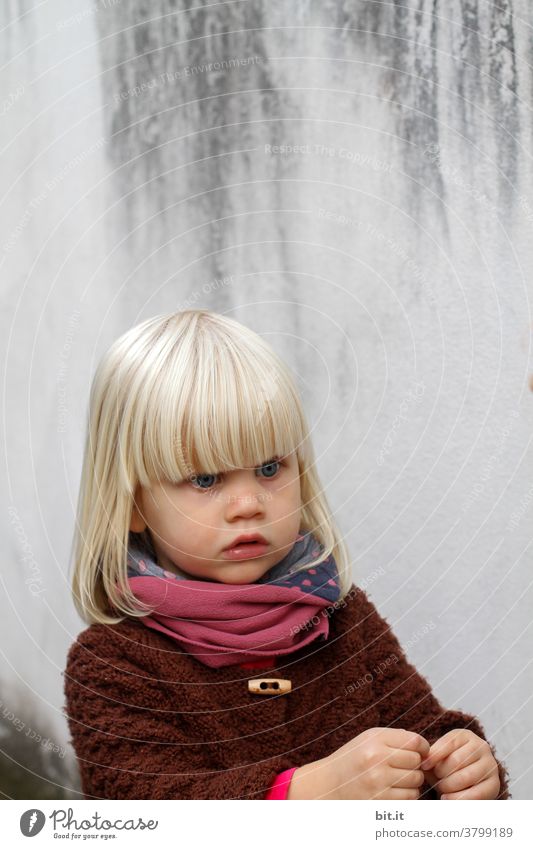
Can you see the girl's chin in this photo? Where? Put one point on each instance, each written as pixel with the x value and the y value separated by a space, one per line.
pixel 238 572
pixel 241 573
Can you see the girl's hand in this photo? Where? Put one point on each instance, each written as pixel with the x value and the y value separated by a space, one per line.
pixel 460 765
pixel 380 763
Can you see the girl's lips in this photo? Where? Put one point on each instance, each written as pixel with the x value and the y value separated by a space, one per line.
pixel 245 551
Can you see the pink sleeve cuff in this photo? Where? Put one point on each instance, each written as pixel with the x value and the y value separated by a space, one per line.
pixel 280 786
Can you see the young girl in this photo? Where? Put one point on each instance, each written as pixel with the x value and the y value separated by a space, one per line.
pixel 228 653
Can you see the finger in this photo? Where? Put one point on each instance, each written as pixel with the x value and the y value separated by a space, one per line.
pixel 443 747
pixel 430 777
pixel 406 778
pixel 398 794
pixel 479 791
pixel 466 755
pixel 462 779
pixel 399 738
pixel 405 759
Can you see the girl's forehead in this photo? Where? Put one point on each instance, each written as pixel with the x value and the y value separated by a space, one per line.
pixel 176 463
pixel 288 457
pixel 179 435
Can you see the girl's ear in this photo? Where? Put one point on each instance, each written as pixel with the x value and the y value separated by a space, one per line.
pixel 137 523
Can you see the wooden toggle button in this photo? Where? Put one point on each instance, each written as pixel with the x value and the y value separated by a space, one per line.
pixel 269 686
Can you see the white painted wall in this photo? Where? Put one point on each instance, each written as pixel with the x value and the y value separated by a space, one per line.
pixel 388 260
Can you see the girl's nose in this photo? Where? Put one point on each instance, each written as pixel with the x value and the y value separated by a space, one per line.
pixel 245 501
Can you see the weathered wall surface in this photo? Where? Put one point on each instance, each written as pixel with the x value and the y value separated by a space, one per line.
pixel 353 180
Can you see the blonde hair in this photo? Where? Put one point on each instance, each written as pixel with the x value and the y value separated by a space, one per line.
pixel 178 395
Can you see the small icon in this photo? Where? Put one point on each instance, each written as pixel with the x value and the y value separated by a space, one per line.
pixel 31 822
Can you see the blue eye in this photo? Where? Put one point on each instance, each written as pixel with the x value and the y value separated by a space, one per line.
pixel 198 480
pixel 270 465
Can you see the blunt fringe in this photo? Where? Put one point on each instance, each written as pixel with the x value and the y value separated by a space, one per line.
pixel 190 392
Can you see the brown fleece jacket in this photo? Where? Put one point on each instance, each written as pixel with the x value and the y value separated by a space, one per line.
pixel 149 721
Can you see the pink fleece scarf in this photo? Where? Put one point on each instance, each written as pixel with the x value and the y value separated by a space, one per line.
pixel 222 624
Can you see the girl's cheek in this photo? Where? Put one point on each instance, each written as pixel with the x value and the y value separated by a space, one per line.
pixel 196 508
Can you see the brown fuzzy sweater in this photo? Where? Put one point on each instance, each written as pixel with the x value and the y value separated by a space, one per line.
pixel 148 721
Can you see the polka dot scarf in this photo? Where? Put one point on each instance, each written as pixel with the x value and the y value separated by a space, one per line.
pixel 222 624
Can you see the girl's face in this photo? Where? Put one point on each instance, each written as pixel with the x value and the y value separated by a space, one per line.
pixel 192 523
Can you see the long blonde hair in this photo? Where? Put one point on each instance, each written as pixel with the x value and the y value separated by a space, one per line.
pixel 191 392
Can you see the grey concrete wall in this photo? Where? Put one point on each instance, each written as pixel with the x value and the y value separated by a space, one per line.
pixel 352 180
